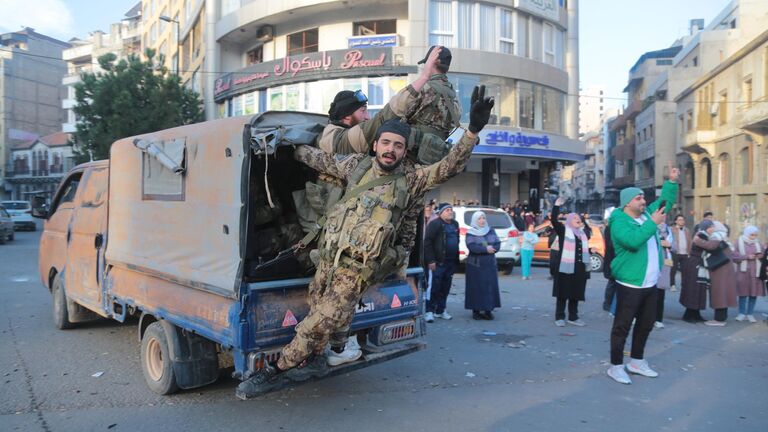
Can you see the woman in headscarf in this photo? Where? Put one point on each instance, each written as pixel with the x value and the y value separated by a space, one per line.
pixel 572 265
pixel 748 284
pixel 482 278
pixel 722 292
pixel 665 235
pixel 693 293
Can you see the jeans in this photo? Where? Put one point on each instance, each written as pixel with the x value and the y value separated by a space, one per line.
pixel 609 300
pixel 640 303
pixel 442 279
pixel 526 256
pixel 747 308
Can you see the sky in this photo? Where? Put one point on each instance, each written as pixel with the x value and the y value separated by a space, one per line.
pixel 613 34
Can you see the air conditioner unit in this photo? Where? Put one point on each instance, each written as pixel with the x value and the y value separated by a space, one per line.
pixel 714 109
pixel 265 33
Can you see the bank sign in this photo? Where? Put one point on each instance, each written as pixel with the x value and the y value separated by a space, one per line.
pixel 308 67
pixel 526 143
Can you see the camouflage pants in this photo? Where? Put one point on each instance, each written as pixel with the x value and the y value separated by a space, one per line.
pixel 333 296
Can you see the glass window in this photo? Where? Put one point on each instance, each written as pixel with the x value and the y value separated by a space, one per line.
pixel 487 28
pixel 523 41
pixel 255 55
pixel 507 32
pixel 303 42
pixel 292 98
pixel 466 28
pixel 375 27
pixel 549 44
pixel 745 159
pixel 276 99
pixel 724 171
pixel 552 110
pixel 237 105
pixel 440 23
pixel 526 108
pixel 375 92
pixel 495 219
pixel 249 103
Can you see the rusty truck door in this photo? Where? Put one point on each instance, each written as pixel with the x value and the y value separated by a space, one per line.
pixel 87 239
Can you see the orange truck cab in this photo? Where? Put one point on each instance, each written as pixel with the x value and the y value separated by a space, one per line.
pixel 190 229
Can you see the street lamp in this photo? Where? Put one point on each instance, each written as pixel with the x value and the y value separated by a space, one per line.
pixel 178 51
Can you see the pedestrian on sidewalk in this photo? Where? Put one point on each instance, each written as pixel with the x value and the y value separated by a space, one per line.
pixel 693 291
pixel 665 237
pixel 570 281
pixel 722 290
pixel 441 253
pixel 482 277
pixel 681 250
pixel 636 267
pixel 749 287
pixel 530 238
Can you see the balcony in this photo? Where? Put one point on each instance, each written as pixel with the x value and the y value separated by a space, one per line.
pixel 21 171
pixel 700 141
pixel 754 116
pixel 78 52
pixel 624 181
pixel 71 79
pixel 624 152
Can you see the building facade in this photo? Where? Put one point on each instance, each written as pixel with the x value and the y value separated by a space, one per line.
pixel 296 55
pixel 37 166
pixel 124 38
pixel 31 71
pixel 591 109
pixel 588 177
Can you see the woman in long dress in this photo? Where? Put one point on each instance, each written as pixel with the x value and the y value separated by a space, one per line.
pixel 722 292
pixel 482 278
pixel 748 284
pixel 693 293
pixel 570 281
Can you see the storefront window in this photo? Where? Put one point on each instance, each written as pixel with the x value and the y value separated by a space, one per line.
pixel 527 106
pixel 552 109
pixel 249 107
pixel 293 98
pixel 376 92
pixel 276 99
pixel 238 105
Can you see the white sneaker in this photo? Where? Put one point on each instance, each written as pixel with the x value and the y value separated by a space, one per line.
pixel 351 353
pixel 658 325
pixel 445 315
pixel 577 323
pixel 673 288
pixel 715 323
pixel 740 317
pixel 560 323
pixel 751 319
pixel 429 317
pixel 641 367
pixel 618 374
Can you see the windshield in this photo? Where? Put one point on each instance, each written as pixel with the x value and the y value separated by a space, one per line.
pixel 496 219
pixel 16 205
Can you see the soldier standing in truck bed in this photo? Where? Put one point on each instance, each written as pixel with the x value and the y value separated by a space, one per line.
pixel 358 245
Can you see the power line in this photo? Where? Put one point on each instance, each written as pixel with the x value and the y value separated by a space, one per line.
pixel 623 99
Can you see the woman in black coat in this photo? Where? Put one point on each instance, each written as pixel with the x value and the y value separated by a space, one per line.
pixel 572 265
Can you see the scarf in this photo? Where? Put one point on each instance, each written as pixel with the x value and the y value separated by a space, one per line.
pixel 665 234
pixel 568 254
pixel 475 229
pixel 702 275
pixel 744 240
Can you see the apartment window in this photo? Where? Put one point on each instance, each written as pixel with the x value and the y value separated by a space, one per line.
pixel 663 62
pixel 745 165
pixel 549 44
pixel 695 61
pixel 441 22
pixel 690 176
pixel 487 28
pixel 507 32
pixel 466 19
pixel 748 91
pixel 723 171
pixel 365 28
pixel 706 166
pixel 162 23
pixel 527 106
pixel 523 39
pixel 650 131
pixel 163 50
pixel 153 34
pixel 722 110
pixel 681 124
pixel 638 137
pixel 255 55
pixel 302 42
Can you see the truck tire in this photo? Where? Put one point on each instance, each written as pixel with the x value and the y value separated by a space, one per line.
pixel 60 312
pixel 156 361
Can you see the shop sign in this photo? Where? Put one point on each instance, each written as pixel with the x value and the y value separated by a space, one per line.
pixel 387 40
pixel 548 9
pixel 511 138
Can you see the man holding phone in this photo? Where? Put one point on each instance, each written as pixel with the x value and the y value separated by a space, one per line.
pixel 636 267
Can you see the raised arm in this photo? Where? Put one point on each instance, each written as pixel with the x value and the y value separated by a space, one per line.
pixel 668 191
pixel 556 224
pixel 334 165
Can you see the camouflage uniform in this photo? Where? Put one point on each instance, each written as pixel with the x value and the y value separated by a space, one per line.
pixel 433 120
pixel 339 283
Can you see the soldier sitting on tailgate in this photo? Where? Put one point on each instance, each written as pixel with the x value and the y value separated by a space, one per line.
pixel 358 245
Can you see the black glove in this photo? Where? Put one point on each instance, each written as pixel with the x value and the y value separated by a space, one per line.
pixel 480 109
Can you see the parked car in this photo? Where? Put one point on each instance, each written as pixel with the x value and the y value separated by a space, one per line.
pixel 21 213
pixel 509 253
pixel 596 242
pixel 6 226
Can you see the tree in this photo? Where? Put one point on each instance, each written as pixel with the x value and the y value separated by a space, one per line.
pixel 130 97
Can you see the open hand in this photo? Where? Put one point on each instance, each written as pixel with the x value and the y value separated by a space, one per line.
pixel 491 250
pixel 674 172
pixel 480 109
pixel 560 201
pixel 658 216
pixel 430 66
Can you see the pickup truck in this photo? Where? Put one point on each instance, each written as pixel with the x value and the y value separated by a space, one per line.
pixel 191 230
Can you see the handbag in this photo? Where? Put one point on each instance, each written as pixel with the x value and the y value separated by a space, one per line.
pixel 715 260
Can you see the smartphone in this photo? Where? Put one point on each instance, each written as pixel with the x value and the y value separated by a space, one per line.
pixel 663 206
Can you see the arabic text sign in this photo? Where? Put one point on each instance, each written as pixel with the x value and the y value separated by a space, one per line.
pixel 388 40
pixel 511 138
pixel 548 9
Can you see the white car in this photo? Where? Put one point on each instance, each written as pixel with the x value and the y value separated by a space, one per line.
pixel 21 214
pixel 509 254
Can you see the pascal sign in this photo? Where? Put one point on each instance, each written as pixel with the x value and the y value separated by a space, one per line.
pixel 305 67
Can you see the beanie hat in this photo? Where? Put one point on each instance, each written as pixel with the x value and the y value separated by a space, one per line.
pixel 627 194
pixel 394 126
pixel 442 207
pixel 705 225
pixel 344 104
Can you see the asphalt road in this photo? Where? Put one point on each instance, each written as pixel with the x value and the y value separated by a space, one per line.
pixel 518 372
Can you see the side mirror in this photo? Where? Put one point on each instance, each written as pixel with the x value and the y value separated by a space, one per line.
pixel 39 208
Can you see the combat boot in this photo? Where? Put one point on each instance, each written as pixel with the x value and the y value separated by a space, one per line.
pixel 315 366
pixel 262 381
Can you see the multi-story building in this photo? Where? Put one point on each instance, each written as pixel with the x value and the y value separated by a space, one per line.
pixel 124 38
pixel 591 109
pixel 31 70
pixel 297 54
pixel 37 166
pixel 588 179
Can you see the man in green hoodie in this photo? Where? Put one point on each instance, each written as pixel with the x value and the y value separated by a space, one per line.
pixel 636 267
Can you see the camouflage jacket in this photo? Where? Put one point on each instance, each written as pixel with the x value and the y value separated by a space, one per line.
pixel 420 179
pixel 358 139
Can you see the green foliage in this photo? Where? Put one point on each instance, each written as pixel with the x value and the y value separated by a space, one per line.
pixel 130 97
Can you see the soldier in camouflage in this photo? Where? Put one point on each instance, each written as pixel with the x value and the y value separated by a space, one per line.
pixel 359 245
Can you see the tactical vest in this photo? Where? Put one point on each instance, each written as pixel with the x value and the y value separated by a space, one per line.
pixel 439 112
pixel 360 230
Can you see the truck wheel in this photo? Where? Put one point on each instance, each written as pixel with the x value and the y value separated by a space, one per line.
pixel 60 313
pixel 156 360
